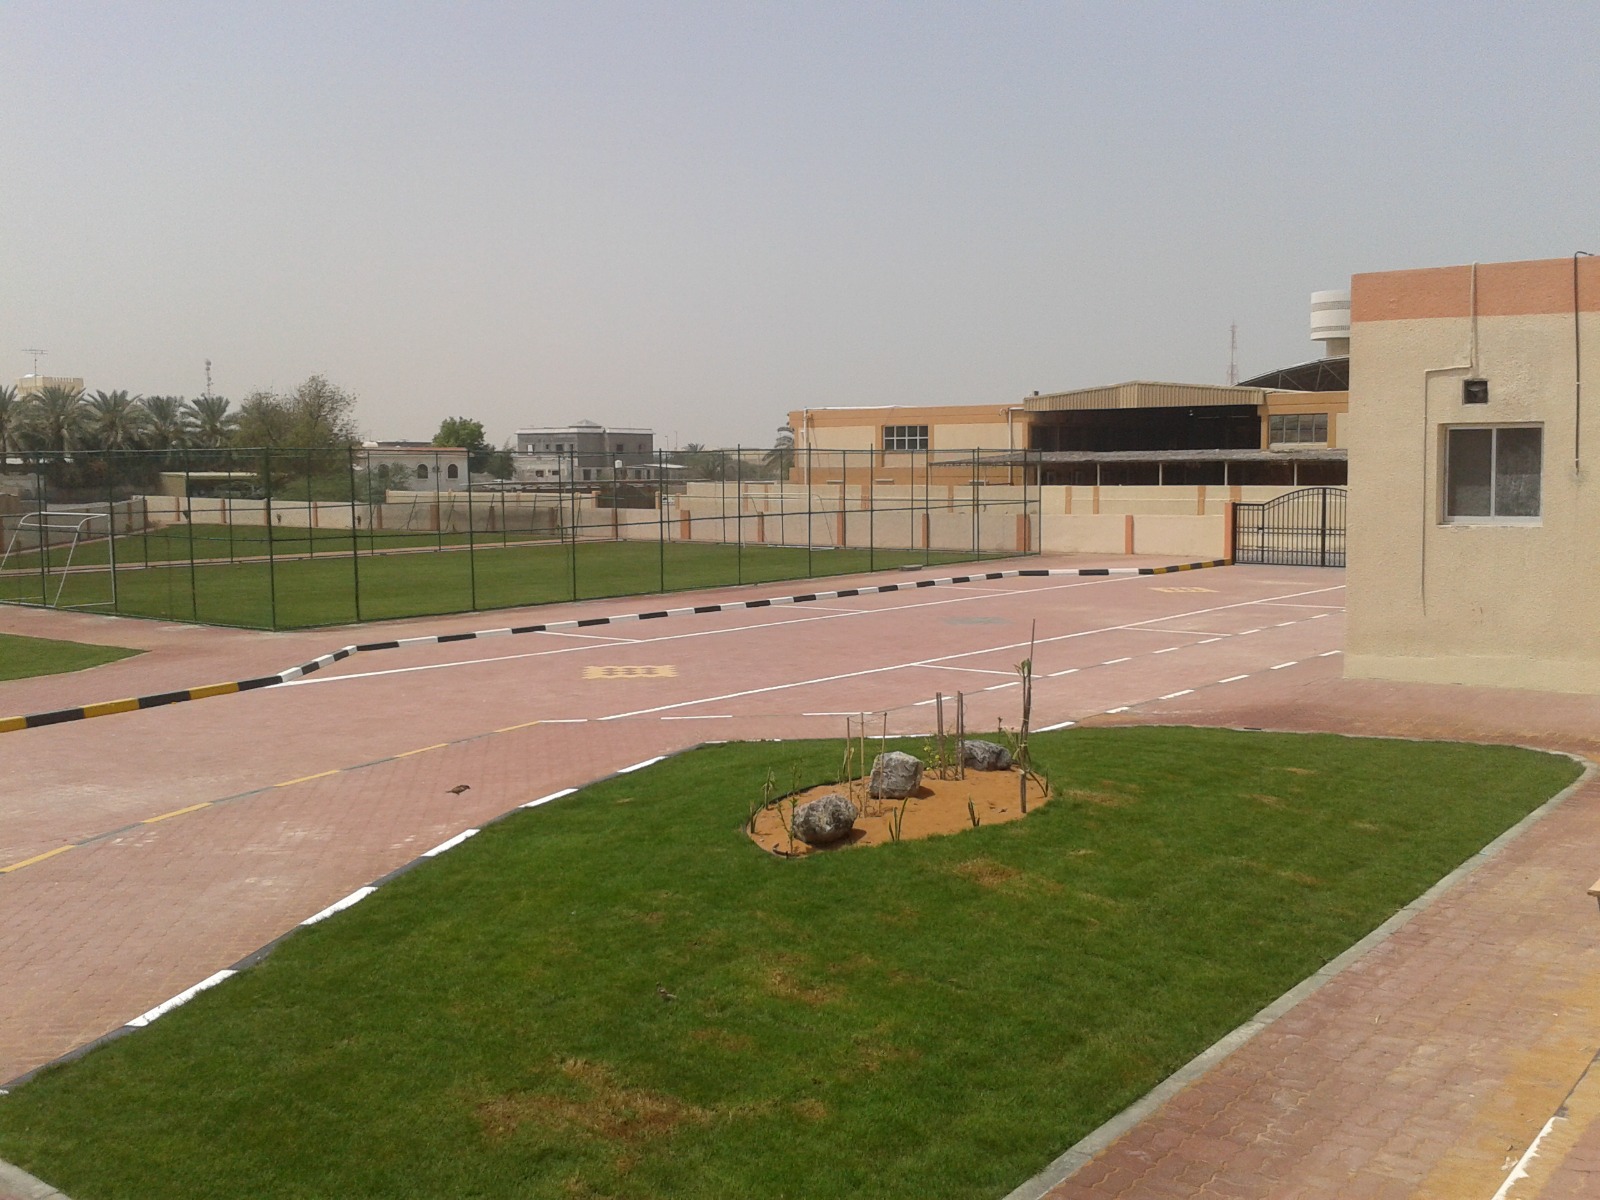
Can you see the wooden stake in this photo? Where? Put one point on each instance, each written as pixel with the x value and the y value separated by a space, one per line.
pixel 938 701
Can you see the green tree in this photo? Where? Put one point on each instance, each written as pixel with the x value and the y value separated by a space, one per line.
pixel 166 421
pixel 323 415
pixel 213 424
pixel 54 419
pixel 264 421
pixel 113 421
pixel 11 416
pixel 780 458
pixel 465 434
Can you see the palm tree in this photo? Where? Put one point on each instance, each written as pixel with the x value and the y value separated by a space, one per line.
pixel 213 424
pixel 113 420
pixel 11 411
pixel 780 458
pixel 166 422
pixel 54 418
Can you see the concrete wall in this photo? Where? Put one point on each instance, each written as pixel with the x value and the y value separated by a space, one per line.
pixel 1478 603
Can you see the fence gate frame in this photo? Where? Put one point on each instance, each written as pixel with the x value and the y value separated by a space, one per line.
pixel 1302 528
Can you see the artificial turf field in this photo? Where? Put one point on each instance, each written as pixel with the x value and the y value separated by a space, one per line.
pixel 25 657
pixel 618 995
pixel 316 580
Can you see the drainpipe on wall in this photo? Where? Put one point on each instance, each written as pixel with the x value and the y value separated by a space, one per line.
pixel 1470 365
pixel 1577 367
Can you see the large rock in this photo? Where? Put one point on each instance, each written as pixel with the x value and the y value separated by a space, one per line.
pixel 985 756
pixel 825 820
pixel 895 775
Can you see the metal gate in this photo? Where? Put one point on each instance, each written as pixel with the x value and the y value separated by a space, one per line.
pixel 1298 529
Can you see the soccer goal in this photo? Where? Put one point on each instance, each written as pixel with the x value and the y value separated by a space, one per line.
pixel 81 525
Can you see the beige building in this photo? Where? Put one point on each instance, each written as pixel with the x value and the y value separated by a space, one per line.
pixel 1474 512
pixel 32 385
pixel 424 466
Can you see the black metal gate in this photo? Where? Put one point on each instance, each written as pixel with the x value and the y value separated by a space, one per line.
pixel 1298 529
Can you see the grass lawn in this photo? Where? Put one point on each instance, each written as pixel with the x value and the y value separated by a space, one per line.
pixel 24 657
pixel 323 590
pixel 935 1018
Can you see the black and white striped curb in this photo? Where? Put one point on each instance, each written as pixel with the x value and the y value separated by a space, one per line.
pixel 136 703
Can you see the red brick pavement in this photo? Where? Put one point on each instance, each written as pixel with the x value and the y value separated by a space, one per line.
pixel 1426 1069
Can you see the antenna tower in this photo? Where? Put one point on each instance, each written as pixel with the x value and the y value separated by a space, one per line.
pixel 1233 354
pixel 35 354
pixel 208 379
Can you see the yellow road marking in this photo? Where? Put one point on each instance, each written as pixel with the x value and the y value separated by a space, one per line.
pixel 307 778
pixel 524 725
pixel 178 812
pixel 629 672
pixel 106 708
pixel 12 724
pixel 423 750
pixel 213 689
pixel 37 858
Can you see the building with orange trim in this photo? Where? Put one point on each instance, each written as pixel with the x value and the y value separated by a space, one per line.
pixel 1474 513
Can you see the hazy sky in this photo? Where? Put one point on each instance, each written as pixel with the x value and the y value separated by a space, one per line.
pixel 697 217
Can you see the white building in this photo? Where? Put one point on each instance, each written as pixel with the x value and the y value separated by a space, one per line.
pixel 424 466
pixel 584 452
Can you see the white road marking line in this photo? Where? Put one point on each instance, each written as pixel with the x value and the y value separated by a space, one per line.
pixel 798 683
pixel 706 717
pixel 972 670
pixel 1059 725
pixel 1329 653
pixel 1520 1171
pixel 1281 624
pixel 182 997
pixel 639 766
pixel 996 687
pixel 1111 662
pixel 1246 632
pixel 1233 679
pixel 1208 641
pixel 547 799
pixel 449 843
pixel 1123 709
pixel 1318 616
pixel 1167 650
pixel 699 633
pixel 1052 675
pixel 354 897
pixel 1175 695
pixel 565 721
pixel 1281 666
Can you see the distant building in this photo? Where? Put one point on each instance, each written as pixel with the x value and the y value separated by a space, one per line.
pixel 584 452
pixel 32 385
pixel 424 466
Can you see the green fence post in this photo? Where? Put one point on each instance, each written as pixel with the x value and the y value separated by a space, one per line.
pixel 355 527
pixel 738 525
pixel 472 546
pixel 272 566
pixel 661 518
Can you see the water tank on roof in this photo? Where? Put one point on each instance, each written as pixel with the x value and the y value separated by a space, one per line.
pixel 1330 320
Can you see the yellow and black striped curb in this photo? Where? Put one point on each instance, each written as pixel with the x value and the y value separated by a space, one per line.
pixel 137 703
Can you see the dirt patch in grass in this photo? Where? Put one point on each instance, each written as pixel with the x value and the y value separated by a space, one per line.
pixel 607 1109
pixel 939 806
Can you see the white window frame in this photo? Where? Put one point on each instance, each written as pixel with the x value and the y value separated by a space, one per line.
pixel 1492 518
pixel 899 438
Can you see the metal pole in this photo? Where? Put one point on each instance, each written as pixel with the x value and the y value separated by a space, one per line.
pixel 311 540
pixel 41 532
pixel 272 566
pixel 188 509
pixel 661 522
pixel 572 480
pixel 738 525
pixel 472 546
pixel 355 528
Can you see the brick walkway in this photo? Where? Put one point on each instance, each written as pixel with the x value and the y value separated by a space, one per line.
pixel 1428 1069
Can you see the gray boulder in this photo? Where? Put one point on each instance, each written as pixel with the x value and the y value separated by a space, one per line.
pixel 895 775
pixel 985 756
pixel 825 820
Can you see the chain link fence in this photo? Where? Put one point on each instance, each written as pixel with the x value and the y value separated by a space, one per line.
pixel 286 539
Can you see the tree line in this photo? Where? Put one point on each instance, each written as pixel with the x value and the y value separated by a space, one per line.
pixel 316 415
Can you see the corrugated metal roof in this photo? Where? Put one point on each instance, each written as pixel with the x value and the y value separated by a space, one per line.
pixel 1141 394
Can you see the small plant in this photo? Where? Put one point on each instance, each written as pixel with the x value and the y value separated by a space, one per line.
pixel 972 813
pixel 897 820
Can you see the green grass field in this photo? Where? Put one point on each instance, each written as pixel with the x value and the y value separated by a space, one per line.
pixel 159 580
pixel 24 657
pixel 934 1018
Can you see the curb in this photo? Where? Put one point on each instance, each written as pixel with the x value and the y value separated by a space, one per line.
pixel 137 703
pixel 17 1183
pixel 1077 1156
